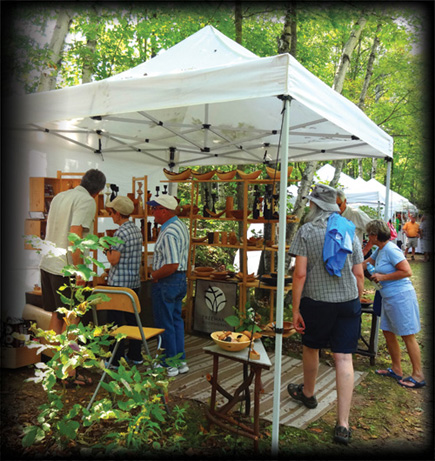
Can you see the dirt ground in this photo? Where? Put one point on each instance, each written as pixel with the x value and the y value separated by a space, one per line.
pixel 387 421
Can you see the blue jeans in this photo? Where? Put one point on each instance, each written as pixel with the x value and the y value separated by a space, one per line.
pixel 167 295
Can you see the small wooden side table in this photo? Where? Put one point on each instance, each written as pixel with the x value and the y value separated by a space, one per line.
pixel 251 373
pixel 371 344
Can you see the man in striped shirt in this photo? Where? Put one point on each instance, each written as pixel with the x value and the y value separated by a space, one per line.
pixel 169 280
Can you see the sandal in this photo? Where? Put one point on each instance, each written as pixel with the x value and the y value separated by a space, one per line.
pixel 73 381
pixel 414 383
pixel 389 373
pixel 342 435
pixel 296 392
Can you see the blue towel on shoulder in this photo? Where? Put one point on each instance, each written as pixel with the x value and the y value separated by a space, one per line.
pixel 338 243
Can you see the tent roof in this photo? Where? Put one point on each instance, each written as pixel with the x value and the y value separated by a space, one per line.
pixel 326 173
pixel 397 201
pixel 207 100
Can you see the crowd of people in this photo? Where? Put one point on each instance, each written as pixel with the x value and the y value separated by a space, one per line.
pixel 73 211
pixel 328 282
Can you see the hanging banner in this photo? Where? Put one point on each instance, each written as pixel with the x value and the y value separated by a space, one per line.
pixel 213 302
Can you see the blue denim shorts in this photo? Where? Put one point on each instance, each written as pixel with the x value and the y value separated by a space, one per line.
pixel 335 326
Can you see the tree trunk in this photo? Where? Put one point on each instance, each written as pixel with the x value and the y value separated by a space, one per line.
pixel 304 189
pixel 48 77
pixel 340 75
pixel 238 21
pixel 367 80
pixel 287 42
pixel 346 56
pixel 88 66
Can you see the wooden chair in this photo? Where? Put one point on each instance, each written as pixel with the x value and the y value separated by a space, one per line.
pixel 125 300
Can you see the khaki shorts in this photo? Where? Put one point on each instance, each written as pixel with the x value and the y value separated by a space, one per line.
pixel 411 242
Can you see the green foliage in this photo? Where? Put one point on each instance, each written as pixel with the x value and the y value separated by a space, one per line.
pixel 136 398
pixel 244 320
pixel 125 37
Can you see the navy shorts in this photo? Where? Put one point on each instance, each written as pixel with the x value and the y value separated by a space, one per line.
pixel 335 326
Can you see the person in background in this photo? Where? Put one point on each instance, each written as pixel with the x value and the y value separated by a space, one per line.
pixel 326 308
pixel 125 259
pixel 412 231
pixel 400 312
pixel 169 279
pixel 71 211
pixel 426 237
pixel 358 217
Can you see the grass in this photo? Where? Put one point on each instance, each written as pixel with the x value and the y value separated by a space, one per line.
pixel 387 420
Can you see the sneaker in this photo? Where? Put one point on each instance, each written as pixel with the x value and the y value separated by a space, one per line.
pixel 133 362
pixel 112 367
pixel 172 371
pixel 183 368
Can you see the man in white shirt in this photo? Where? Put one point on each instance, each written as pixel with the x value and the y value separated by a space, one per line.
pixel 71 211
pixel 358 217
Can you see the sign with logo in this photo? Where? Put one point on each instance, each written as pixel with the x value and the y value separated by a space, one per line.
pixel 213 302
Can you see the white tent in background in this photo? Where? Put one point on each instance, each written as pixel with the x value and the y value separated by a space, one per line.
pixel 326 173
pixel 396 201
pixel 206 101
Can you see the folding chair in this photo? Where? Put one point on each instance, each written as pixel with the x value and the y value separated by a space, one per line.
pixel 125 300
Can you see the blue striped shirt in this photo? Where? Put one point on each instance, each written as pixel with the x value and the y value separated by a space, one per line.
pixel 172 245
pixel 126 272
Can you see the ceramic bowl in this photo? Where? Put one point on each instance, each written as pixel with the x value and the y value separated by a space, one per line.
pixel 204 270
pixel 237 214
pixel 253 175
pixel 276 174
pixel 233 346
pixel 177 176
pixel 226 175
pixel 203 176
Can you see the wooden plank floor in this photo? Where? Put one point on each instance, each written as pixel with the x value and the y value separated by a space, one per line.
pixel 194 385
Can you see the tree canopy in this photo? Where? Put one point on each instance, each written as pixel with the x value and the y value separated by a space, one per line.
pixel 105 39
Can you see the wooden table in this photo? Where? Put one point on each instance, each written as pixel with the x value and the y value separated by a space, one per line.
pixel 251 373
pixel 371 344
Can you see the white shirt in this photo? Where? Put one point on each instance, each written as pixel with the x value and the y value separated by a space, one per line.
pixel 74 207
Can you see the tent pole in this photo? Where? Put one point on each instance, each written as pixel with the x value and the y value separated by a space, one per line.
pixel 387 190
pixel 281 274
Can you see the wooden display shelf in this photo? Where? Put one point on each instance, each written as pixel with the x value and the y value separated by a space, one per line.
pixel 253 181
pixel 272 333
pixel 258 284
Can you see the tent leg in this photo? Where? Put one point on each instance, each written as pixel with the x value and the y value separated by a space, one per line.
pixel 281 273
pixel 387 190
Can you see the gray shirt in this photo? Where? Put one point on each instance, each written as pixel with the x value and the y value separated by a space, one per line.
pixel 319 285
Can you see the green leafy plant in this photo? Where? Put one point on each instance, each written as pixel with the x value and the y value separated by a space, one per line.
pixel 136 400
pixel 244 320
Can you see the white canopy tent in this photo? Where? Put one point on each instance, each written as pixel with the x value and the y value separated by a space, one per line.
pixel 396 201
pixel 208 100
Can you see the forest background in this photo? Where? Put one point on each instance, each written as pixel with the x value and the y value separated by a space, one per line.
pixel 376 55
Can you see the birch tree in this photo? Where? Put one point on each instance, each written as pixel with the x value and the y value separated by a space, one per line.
pixel 288 44
pixel 48 76
pixel 340 76
pixel 365 87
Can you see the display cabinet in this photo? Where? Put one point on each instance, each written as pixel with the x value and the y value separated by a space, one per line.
pixel 245 283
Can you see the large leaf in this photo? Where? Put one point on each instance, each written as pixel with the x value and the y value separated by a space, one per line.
pixel 68 428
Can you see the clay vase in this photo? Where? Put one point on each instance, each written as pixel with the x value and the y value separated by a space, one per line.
pixel 233 238
pixel 229 205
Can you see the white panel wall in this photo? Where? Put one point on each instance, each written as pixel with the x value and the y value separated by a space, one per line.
pixel 42 154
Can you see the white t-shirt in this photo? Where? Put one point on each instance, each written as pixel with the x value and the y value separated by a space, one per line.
pixel 74 207
pixel 359 218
